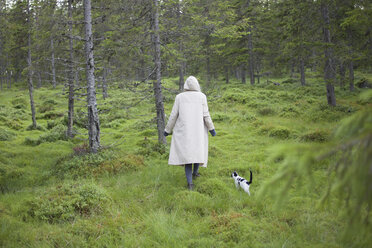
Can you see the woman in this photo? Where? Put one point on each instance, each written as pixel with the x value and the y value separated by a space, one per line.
pixel 190 122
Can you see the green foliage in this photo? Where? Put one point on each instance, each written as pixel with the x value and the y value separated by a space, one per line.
pixel 9 175
pixel 19 103
pixel 6 135
pixel 95 165
pixel 365 97
pixel 280 132
pixel 47 106
pixel 67 201
pixel 350 170
pixel 56 133
pixel 265 111
pixel 315 136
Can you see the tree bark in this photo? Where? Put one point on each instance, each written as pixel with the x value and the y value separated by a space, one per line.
pixel 227 74
pixel 302 71
pixel 329 72
pixel 70 119
pixel 160 116
pixel 251 58
pixel 342 74
pixel 351 75
pixel 104 84
pixel 250 50
pixel 181 63
pixel 243 74
pixel 93 120
pixel 54 82
pixel 30 71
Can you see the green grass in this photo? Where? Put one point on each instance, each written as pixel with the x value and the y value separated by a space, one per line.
pixel 135 199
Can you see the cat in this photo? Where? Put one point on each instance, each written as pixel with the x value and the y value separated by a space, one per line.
pixel 240 181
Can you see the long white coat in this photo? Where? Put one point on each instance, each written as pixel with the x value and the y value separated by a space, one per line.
pixel 190 122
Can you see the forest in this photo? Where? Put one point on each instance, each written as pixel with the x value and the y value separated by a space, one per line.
pixel 87 87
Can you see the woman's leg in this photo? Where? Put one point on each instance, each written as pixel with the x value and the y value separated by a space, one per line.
pixel 188 172
pixel 196 169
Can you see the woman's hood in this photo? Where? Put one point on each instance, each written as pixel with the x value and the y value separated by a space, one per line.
pixel 192 84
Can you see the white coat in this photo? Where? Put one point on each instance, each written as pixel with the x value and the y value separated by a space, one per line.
pixel 190 122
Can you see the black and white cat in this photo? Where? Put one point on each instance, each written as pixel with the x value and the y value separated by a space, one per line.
pixel 240 181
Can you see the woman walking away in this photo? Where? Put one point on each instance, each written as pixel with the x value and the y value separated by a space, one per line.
pixel 190 122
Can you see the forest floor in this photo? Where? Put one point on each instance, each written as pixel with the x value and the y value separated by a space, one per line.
pixel 53 194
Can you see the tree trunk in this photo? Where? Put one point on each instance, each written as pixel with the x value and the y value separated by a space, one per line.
pixel 180 60
pixel 243 74
pixel 54 82
pixel 181 81
pixel 70 121
pixel 342 74
pixel 93 120
pixel 351 75
pixel 227 74
pixel 104 84
pixel 302 71
pixel 160 117
pixel 30 71
pixel 329 72
pixel 39 84
pixel 251 59
pixel 208 70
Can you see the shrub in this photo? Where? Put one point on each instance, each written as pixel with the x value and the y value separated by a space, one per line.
pixel 47 105
pixel 104 162
pixel 150 147
pixel 289 81
pixel 57 133
pixel 363 83
pixel 280 132
pixel 6 135
pixel 65 202
pixel 289 111
pixel 52 115
pixel 19 103
pixel 265 111
pixel 315 136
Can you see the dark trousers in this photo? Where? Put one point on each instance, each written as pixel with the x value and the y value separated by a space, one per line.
pixel 189 172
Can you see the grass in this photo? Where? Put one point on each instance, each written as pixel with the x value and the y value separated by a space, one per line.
pixel 146 203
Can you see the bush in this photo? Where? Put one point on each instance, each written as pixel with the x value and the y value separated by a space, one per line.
pixel 6 135
pixel 315 136
pixel 289 81
pixel 47 105
pixel 88 165
pixel 265 111
pixel 280 132
pixel 65 202
pixel 151 147
pixel 363 83
pixel 52 115
pixel 19 103
pixel 57 133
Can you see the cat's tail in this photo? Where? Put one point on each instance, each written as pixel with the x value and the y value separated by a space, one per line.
pixel 250 178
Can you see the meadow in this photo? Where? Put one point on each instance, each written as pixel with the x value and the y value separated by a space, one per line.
pixel 55 194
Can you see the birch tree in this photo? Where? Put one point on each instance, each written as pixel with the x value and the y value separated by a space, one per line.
pixel 93 120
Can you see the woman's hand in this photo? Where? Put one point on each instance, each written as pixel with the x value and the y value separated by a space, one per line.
pixel 213 132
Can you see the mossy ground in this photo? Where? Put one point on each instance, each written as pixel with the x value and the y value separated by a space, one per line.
pixel 146 202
